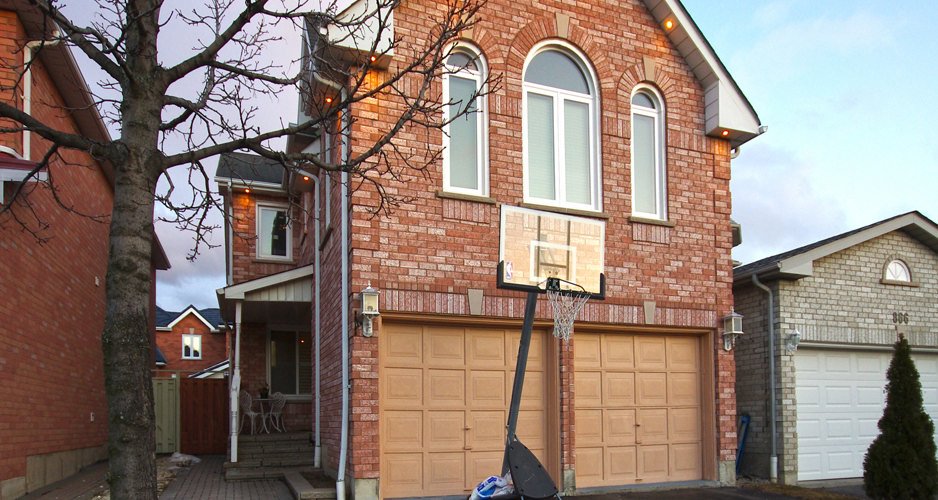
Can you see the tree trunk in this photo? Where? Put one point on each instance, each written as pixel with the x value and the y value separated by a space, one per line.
pixel 126 339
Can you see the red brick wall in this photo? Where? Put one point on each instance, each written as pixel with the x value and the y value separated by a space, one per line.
pixel 427 254
pixel 213 346
pixel 246 266
pixel 52 312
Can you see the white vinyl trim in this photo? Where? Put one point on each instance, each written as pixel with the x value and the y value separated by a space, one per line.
pixel 560 96
pixel 482 128
pixel 660 150
pixel 262 206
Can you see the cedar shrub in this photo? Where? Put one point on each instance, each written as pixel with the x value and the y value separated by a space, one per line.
pixel 901 464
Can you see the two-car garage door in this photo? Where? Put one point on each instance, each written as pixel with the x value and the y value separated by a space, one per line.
pixel 840 400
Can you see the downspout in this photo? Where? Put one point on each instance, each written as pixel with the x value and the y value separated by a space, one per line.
pixel 343 446
pixel 773 460
pixel 229 213
pixel 317 454
pixel 28 85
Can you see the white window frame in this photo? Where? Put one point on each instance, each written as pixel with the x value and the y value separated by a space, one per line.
pixel 903 265
pixel 482 129
pixel 187 339
pixel 257 230
pixel 559 96
pixel 661 169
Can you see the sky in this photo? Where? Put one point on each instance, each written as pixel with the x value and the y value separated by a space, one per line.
pixel 846 88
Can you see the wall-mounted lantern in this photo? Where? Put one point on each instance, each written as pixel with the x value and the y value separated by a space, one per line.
pixel 369 309
pixel 732 329
pixel 792 341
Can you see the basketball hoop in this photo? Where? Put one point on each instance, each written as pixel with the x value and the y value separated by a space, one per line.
pixel 565 305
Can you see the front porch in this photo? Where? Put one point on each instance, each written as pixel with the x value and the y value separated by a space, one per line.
pixel 271 353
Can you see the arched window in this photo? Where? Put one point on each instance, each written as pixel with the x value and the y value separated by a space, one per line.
pixel 561 147
pixel 649 179
pixel 897 271
pixel 465 140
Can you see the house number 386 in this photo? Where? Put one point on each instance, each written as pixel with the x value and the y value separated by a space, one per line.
pixel 900 317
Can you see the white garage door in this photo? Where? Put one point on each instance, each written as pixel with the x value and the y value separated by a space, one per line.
pixel 840 400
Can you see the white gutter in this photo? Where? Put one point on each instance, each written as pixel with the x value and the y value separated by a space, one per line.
pixel 343 446
pixel 773 460
pixel 28 85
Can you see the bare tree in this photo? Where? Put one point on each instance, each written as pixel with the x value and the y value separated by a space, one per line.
pixel 163 121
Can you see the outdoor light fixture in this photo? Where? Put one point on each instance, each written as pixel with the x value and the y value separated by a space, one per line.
pixel 369 304
pixel 725 133
pixel 732 329
pixel 669 24
pixel 792 341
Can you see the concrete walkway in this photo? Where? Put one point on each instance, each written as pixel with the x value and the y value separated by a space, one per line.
pixel 206 481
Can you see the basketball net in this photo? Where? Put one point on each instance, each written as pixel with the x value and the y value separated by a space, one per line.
pixel 565 304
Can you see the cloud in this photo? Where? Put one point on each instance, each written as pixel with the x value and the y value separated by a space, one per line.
pixel 776 202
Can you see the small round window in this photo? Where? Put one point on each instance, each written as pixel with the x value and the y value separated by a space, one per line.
pixel 896 270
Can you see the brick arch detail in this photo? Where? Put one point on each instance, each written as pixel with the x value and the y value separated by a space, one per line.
pixel 635 75
pixel 488 45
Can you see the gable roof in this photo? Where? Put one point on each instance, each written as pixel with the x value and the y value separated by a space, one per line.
pixel 244 169
pixel 211 317
pixel 726 108
pixel 799 263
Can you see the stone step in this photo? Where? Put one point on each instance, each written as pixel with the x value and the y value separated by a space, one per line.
pixel 303 490
pixel 233 472
pixel 270 450
pixel 304 436
pixel 304 460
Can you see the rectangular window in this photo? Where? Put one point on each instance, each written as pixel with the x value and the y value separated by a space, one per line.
pixel 464 137
pixel 645 168
pixel 541 146
pixel 273 233
pixel 191 347
pixel 290 363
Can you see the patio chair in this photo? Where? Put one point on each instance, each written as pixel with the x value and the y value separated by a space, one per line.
pixel 246 402
pixel 277 402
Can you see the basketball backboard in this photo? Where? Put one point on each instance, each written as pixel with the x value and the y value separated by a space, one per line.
pixel 535 245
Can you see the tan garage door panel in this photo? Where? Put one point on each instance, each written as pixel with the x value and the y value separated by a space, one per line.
pixel 444 398
pixel 637 409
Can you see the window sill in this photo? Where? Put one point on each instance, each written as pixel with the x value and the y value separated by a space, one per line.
pixel 273 260
pixel 655 222
pixel 299 398
pixel 566 211
pixel 910 284
pixel 465 197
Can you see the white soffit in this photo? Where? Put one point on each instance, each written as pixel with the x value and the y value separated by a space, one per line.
pixel 364 18
pixel 726 106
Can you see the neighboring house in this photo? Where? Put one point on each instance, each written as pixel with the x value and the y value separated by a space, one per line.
pixel 190 341
pixel 53 419
pixel 846 299
pixel 616 116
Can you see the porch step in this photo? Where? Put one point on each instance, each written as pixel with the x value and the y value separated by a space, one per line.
pixel 303 490
pixel 273 460
pixel 271 455
pixel 248 473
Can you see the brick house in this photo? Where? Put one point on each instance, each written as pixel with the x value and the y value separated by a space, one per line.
pixel 643 393
pixel 53 419
pixel 191 340
pixel 834 309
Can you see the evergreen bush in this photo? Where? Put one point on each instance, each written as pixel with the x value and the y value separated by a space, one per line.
pixel 901 461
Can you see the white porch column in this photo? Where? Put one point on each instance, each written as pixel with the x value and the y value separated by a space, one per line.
pixel 236 383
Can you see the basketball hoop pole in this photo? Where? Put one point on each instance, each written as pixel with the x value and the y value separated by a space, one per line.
pixel 529 307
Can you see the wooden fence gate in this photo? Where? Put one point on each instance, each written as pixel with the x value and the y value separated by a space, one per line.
pixel 166 407
pixel 203 412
